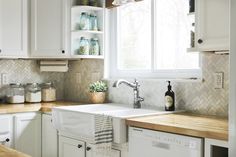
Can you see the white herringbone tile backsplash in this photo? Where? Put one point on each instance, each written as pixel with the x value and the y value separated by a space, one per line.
pixel 194 96
pixel 27 71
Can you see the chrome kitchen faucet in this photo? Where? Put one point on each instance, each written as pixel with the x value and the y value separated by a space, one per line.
pixel 135 86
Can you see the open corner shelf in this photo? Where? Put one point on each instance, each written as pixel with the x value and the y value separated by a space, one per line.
pixel 86 32
pixel 87 8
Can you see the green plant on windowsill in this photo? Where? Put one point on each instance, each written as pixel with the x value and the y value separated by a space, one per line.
pixel 98 92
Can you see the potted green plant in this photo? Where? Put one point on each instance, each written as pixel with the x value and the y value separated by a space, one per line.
pixel 98 92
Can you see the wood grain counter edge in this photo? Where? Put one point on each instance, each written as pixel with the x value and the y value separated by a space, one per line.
pixel 218 134
pixel 8 152
pixel 34 107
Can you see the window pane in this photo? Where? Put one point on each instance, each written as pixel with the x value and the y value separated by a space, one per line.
pixel 173 36
pixel 135 36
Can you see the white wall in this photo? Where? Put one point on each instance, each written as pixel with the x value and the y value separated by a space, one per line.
pixel 232 99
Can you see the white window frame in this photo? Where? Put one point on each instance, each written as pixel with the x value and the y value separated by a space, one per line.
pixel 111 66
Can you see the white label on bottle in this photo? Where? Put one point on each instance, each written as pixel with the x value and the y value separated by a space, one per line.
pixel 169 101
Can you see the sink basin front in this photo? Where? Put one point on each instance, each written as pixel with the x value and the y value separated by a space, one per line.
pixel 80 120
pixel 93 108
pixel 130 113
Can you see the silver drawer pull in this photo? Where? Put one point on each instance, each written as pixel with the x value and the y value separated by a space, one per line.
pixel 161 145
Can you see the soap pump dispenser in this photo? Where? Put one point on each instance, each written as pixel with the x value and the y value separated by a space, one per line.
pixel 169 99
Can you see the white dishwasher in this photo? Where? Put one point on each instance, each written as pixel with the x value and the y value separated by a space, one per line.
pixel 148 143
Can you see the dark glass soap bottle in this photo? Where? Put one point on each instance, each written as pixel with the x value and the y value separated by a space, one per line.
pixel 169 99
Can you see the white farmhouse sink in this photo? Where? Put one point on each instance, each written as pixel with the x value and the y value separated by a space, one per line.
pixel 79 120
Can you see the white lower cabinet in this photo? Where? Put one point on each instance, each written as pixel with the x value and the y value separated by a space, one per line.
pixel 49 137
pixel 71 148
pixel 27 129
pixel 6 130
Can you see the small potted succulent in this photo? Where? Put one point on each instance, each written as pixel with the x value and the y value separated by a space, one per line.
pixel 98 92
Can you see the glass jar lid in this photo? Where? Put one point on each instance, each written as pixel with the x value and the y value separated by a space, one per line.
pixel 15 85
pixel 32 84
pixel 33 87
pixel 95 39
pixel 47 84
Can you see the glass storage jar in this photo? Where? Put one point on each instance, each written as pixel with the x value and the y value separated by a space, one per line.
pixel 83 46
pixel 84 21
pixel 48 92
pixel 33 93
pixel 93 22
pixel 83 2
pixel 15 93
pixel 93 3
pixel 94 47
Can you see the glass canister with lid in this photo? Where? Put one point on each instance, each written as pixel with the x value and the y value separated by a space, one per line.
pixel 48 92
pixel 93 22
pixel 15 93
pixel 94 47
pixel 83 46
pixel 84 21
pixel 33 93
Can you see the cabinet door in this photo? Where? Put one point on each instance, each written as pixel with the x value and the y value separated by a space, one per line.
pixel 91 152
pixel 48 28
pixel 49 137
pixel 71 148
pixel 28 133
pixel 6 130
pixel 212 25
pixel 13 28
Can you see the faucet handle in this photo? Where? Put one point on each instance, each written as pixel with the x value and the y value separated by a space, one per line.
pixel 140 99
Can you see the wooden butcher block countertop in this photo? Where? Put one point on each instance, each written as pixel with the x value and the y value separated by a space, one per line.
pixel 33 107
pixel 8 152
pixel 185 124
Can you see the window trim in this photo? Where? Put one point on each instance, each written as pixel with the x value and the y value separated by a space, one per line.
pixel 113 72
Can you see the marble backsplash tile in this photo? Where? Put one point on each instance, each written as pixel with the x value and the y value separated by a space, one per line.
pixel 81 74
pixel 27 71
pixel 195 96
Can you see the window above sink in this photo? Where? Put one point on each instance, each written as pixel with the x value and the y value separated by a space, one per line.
pixel 138 52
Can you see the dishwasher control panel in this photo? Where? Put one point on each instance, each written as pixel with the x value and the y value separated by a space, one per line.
pixel 161 138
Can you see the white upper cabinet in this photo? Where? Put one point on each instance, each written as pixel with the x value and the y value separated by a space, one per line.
pixel 13 28
pixel 212 25
pixel 48 28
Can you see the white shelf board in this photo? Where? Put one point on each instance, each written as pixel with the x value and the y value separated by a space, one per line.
pixel 87 8
pixel 86 31
pixel 88 56
pixel 192 50
pixel 191 14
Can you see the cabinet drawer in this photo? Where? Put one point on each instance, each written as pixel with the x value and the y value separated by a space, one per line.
pixel 6 130
pixel 5 125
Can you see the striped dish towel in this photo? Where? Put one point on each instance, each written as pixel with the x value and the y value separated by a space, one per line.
pixel 103 129
pixel 103 136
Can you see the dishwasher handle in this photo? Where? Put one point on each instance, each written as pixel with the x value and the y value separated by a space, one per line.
pixel 161 145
